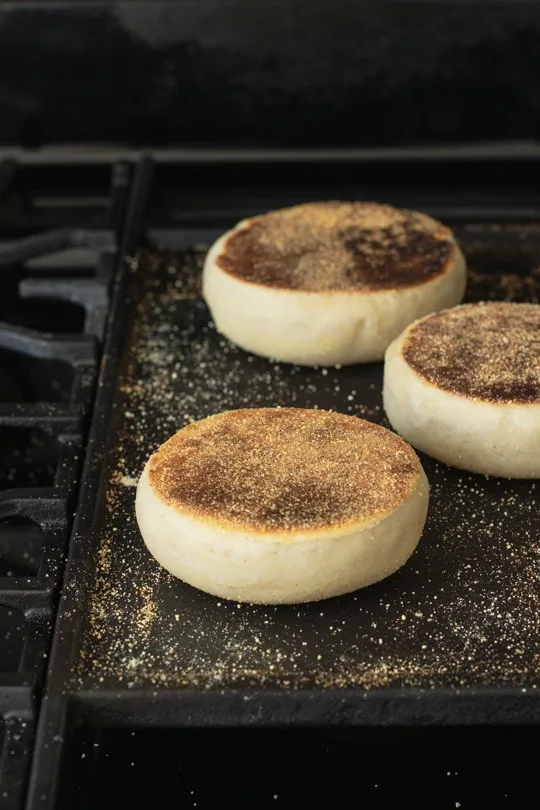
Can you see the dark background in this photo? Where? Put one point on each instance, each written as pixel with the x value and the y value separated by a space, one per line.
pixel 269 72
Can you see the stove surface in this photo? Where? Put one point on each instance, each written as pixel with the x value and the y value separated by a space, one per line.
pixel 94 745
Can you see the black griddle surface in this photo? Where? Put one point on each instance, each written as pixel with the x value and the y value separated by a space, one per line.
pixel 464 611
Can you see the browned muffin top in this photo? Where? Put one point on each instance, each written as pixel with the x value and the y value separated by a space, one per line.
pixel 284 470
pixel 338 246
pixel 484 351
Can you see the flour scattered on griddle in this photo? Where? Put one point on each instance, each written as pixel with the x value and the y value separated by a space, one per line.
pixel 465 610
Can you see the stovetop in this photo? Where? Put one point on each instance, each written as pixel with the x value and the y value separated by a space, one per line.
pixel 390 83
pixel 63 235
pixel 59 230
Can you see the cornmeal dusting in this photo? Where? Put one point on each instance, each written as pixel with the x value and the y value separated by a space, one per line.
pixel 284 469
pixel 484 351
pixel 338 246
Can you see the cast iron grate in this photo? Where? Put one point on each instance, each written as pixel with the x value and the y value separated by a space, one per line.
pixel 52 320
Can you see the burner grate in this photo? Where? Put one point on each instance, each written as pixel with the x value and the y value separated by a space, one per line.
pixel 48 372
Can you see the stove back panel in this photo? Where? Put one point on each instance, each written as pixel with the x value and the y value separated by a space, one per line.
pixel 269 73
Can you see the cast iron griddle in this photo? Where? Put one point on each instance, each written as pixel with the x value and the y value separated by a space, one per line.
pixel 463 612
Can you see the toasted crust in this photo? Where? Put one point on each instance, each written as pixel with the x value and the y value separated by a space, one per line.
pixel 488 352
pixel 338 247
pixel 284 471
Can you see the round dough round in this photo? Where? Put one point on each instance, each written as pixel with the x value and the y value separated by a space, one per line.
pixel 464 387
pixel 282 505
pixel 330 283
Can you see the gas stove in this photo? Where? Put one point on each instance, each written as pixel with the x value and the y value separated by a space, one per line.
pixel 242 107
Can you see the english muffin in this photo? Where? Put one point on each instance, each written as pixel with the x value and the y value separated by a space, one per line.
pixel 282 505
pixel 464 386
pixel 330 283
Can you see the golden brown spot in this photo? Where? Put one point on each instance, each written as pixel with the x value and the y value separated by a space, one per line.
pixel 338 246
pixel 485 351
pixel 284 469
